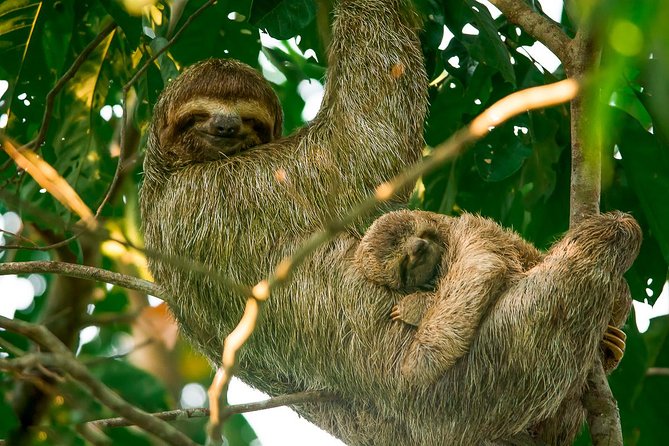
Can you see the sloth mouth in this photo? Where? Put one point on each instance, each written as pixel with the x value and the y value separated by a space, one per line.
pixel 225 145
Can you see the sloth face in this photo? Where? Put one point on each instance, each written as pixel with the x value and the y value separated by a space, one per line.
pixel 214 129
pixel 213 110
pixel 419 259
pixel 403 251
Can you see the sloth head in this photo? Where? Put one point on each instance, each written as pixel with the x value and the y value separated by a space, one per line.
pixel 212 110
pixel 403 250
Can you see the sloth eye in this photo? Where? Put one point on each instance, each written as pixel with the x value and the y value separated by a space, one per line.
pixel 428 234
pixel 190 120
pixel 258 127
pixel 197 117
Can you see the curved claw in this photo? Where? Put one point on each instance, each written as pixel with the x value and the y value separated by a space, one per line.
pixel 614 342
pixel 617 331
pixel 616 351
pixel 395 314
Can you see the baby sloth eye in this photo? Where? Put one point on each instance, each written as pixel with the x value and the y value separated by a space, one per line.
pixel 428 234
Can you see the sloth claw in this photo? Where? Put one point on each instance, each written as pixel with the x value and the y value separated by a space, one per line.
pixel 613 344
pixel 396 314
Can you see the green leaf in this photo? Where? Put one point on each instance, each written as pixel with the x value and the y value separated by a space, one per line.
pixel 283 19
pixel 539 170
pixel 486 47
pixel 17 20
pixel 168 70
pixel 57 34
pixel 132 384
pixel 488 44
pixel 131 25
pixel 501 153
pixel 215 34
pixel 646 162
pixel 17 26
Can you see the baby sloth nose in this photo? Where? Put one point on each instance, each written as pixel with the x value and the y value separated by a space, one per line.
pixel 418 246
pixel 225 125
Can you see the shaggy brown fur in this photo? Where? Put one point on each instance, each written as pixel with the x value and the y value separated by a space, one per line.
pixel 475 261
pixel 329 328
pixel 478 260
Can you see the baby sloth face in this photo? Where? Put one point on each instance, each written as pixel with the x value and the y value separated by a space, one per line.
pixel 402 250
pixel 419 259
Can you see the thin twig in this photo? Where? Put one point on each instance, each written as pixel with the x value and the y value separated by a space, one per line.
pixel 538 26
pixel 80 272
pixel 69 74
pixel 179 262
pixel 502 110
pixel 62 358
pixel 169 43
pixel 315 396
pixel 657 371
pixel 111 318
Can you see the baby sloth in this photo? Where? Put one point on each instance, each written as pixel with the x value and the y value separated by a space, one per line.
pixel 454 270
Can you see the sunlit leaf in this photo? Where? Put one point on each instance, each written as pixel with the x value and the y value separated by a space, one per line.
pixel 131 25
pixel 17 23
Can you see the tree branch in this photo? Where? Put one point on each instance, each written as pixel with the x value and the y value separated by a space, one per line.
pixel 657 371
pixel 80 272
pixel 602 408
pixel 538 26
pixel 315 396
pixel 62 358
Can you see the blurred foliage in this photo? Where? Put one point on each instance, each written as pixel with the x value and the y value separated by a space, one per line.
pixel 518 175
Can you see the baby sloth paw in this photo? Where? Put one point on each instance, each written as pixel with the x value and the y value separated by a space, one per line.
pixel 613 347
pixel 396 314
pixel 412 307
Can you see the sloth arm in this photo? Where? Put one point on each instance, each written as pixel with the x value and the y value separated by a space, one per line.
pixel 370 125
pixel 543 334
pixel 475 276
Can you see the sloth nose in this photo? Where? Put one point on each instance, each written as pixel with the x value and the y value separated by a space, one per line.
pixel 418 246
pixel 225 125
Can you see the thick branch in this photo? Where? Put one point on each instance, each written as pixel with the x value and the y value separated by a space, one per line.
pixel 80 272
pixel 538 26
pixel 586 166
pixel 174 415
pixel 603 416
pixel 63 359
